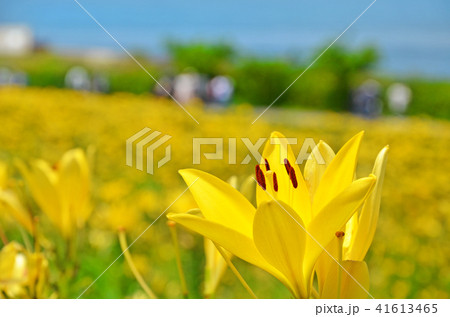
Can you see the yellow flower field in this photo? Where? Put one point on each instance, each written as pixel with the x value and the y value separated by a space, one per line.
pixel 409 257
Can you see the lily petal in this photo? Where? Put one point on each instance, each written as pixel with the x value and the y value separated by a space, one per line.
pixel 325 261
pixel 248 189
pixel 74 185
pixel 313 170
pixel 280 237
pixel 42 182
pixel 219 201
pixel 356 270
pixel 368 218
pixel 233 241
pixel 339 174
pixel 15 208
pixel 334 216
pixel 275 151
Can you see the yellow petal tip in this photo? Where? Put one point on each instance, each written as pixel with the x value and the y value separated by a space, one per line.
pixel 183 170
pixel 171 215
pixel 360 134
pixel 276 134
pixel 186 171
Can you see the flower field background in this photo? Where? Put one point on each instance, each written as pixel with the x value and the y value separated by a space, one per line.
pixel 409 257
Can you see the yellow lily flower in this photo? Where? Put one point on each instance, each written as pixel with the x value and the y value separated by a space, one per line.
pixel 22 274
pixel 286 233
pixel 62 192
pixel 11 202
pixel 14 207
pixel 3 174
pixel 352 243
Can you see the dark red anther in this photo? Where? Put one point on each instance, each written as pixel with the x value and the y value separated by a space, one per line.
pixel 291 172
pixel 287 165
pixel 293 177
pixel 275 182
pixel 260 178
pixel 267 165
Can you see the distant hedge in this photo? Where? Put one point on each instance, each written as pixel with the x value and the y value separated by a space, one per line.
pixel 328 84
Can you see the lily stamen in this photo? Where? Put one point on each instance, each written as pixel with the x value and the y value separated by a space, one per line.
pixel 287 165
pixel 267 165
pixel 291 172
pixel 260 178
pixel 275 182
pixel 340 235
pixel 293 177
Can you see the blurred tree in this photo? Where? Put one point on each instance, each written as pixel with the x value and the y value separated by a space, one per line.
pixel 429 98
pixel 209 59
pixel 344 64
pixel 261 81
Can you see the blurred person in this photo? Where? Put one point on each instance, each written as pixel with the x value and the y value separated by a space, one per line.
pixel 399 96
pixel 5 76
pixel 186 86
pixel 220 90
pixel 8 77
pixel 164 88
pixel 100 83
pixel 366 99
pixel 202 91
pixel 19 79
pixel 77 78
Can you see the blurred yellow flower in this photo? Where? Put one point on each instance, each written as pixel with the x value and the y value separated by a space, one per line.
pixel 215 267
pixel 61 191
pixel 286 232
pixel 22 274
pixel 11 202
pixel 14 207
pixel 122 215
pixel 3 174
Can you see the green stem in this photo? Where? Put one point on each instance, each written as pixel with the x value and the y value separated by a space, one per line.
pixel 134 270
pixel 3 237
pixel 26 240
pixel 173 233
pixel 37 246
